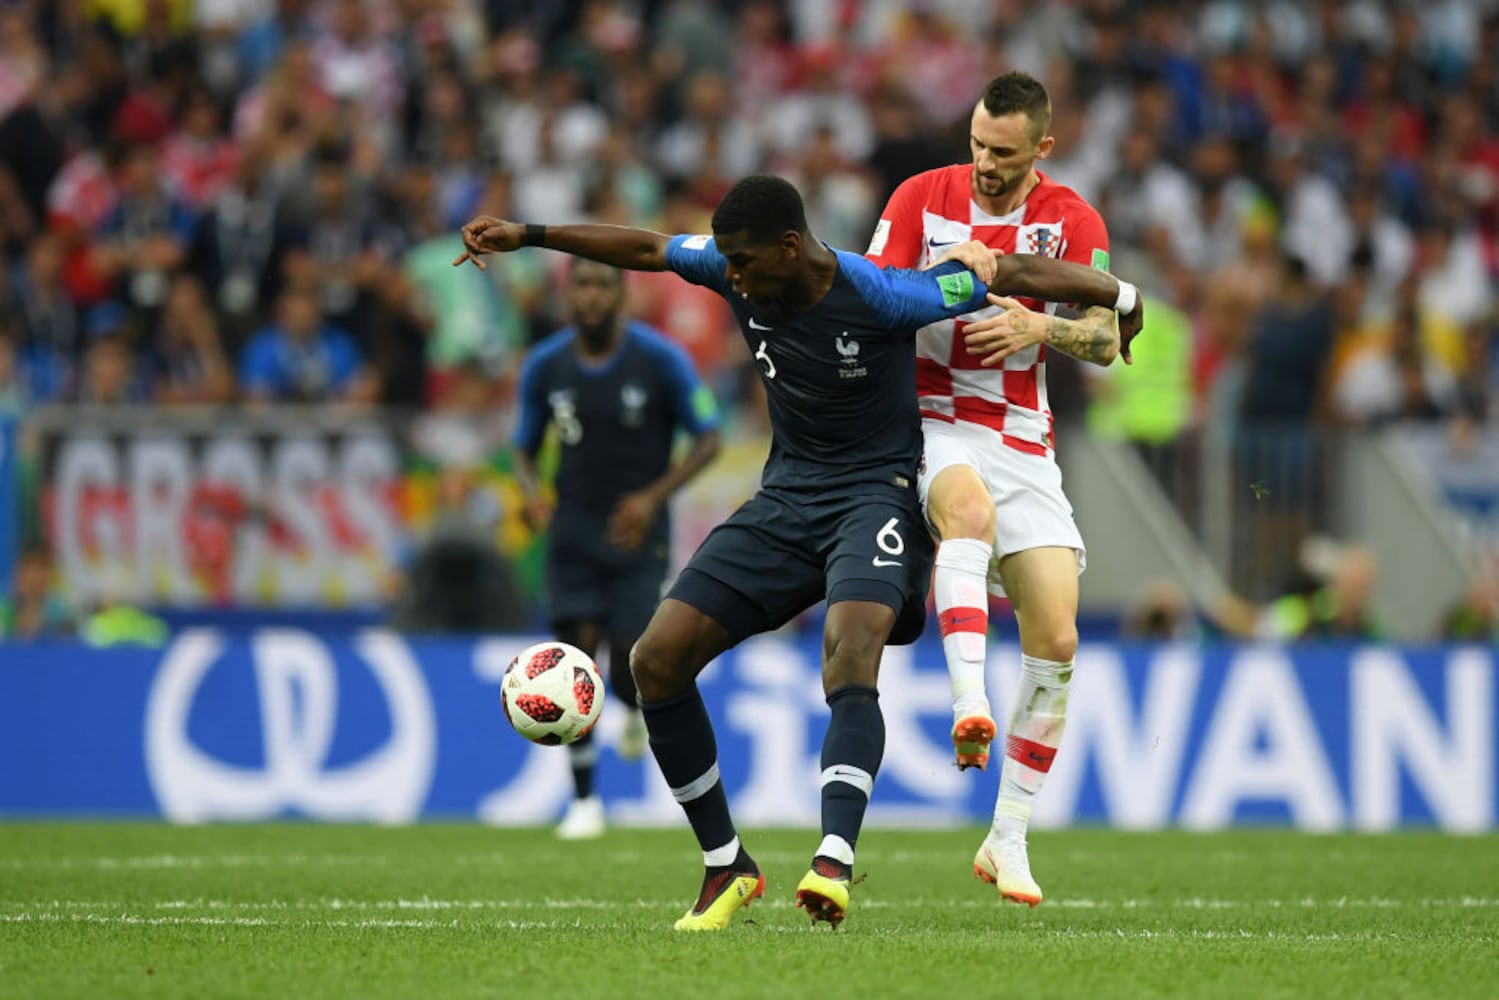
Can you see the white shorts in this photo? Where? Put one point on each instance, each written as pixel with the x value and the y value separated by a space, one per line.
pixel 1030 509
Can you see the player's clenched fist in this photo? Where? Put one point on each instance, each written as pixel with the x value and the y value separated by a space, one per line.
pixel 486 234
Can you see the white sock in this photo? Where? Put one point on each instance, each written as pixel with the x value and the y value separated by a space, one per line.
pixel 962 598
pixel 835 847
pixel 721 856
pixel 1035 731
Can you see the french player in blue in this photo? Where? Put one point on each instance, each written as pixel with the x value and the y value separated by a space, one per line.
pixel 617 393
pixel 836 516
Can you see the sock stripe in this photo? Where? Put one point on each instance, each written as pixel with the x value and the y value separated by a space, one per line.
pixel 1036 756
pixel 697 787
pixel 954 620
pixel 856 776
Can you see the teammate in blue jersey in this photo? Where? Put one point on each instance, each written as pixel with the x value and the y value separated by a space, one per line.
pixel 617 393
pixel 836 516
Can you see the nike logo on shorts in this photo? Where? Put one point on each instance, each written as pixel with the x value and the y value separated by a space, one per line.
pixel 886 562
pixel 758 326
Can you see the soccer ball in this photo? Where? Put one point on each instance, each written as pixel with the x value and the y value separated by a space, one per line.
pixel 552 693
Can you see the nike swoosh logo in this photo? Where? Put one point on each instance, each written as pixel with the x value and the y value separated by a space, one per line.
pixel 933 244
pixel 886 562
pixel 966 619
pixel 758 326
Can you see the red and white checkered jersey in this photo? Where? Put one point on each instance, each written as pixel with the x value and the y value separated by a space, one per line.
pixel 927 215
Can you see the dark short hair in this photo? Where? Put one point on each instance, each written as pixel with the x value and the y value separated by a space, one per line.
pixel 762 206
pixel 1020 92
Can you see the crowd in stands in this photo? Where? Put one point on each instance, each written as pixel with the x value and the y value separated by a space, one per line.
pixel 257 201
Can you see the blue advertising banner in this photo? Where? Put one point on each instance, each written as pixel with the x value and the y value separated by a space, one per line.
pixel 374 726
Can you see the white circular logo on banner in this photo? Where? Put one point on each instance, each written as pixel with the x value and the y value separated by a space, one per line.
pixel 297 681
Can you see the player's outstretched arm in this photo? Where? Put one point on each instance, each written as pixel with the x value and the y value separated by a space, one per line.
pixel 1035 277
pixel 619 246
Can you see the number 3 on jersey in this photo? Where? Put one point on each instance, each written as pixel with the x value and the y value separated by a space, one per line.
pixel 890 542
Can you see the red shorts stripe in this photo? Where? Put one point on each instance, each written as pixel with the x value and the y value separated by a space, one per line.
pixel 1020 444
pixel 953 620
pixel 1036 756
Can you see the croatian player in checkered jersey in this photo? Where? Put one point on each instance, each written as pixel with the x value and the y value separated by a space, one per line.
pixel 990 484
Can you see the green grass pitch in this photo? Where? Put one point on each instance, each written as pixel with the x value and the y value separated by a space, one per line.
pixel 294 910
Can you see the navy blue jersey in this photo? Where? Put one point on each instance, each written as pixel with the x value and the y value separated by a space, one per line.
pixel 841 376
pixel 616 420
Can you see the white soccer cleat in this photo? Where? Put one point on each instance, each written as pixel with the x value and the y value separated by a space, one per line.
pixel 584 819
pixel 633 739
pixel 1002 862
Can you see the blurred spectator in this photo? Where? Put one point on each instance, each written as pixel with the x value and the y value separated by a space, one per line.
pixel 468 316
pixel 1288 350
pixel 187 355
pixel 110 375
pixel 146 236
pixel 1475 618
pixel 457 580
pixel 32 611
pixel 708 146
pixel 51 336
pixel 303 359
pixel 334 251
pixel 822 104
pixel 198 160
pixel 1163 614
pixel 239 244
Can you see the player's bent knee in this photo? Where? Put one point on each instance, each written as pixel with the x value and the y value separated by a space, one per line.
pixel 659 668
pixel 1059 644
pixel 960 505
pixel 970 517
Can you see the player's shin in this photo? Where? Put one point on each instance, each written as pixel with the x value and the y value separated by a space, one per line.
pixel 682 741
pixel 582 757
pixel 1035 732
pixel 962 601
pixel 851 754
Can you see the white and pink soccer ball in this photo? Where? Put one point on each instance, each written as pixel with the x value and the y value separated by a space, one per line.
pixel 553 693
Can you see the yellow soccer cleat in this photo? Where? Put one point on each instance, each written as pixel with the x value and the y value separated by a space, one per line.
pixel 1003 863
pixel 971 736
pixel 724 894
pixel 823 891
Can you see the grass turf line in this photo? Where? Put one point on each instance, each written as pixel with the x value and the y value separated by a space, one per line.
pixel 120 910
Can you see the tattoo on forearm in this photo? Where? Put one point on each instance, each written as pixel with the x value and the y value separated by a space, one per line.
pixel 1092 337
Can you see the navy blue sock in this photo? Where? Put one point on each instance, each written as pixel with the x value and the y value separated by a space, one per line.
pixel 682 742
pixel 851 754
pixel 581 756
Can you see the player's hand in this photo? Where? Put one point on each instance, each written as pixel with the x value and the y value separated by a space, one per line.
pixel 1130 324
pixel 632 519
pixel 486 234
pixel 974 255
pixel 537 513
pixel 997 337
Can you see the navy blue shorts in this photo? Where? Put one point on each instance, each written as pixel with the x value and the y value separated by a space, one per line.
pixel 589 580
pixel 779 554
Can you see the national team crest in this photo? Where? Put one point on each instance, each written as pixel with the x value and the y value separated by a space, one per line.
pixel 1044 239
